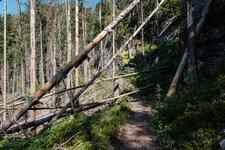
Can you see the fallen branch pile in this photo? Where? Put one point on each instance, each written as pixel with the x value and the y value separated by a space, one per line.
pixel 81 108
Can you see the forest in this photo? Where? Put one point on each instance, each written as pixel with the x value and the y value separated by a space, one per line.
pixel 112 74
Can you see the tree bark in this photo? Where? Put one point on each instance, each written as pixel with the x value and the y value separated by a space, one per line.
pixel 142 30
pixel 60 75
pixel 192 72
pixel 101 43
pixel 54 48
pixel 141 26
pixel 198 28
pixel 5 62
pixel 114 35
pixel 84 39
pixel 41 59
pixel 116 81
pixel 14 78
pixel 176 78
pixel 157 24
pixel 205 12
pixel 106 66
pixel 33 54
pixel 81 86
pixel 77 41
pixel 79 109
pixel 69 77
pixel 47 119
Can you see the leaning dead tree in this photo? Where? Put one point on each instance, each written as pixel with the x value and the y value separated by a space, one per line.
pixel 46 119
pixel 75 62
pixel 77 87
pixel 183 62
pixel 106 66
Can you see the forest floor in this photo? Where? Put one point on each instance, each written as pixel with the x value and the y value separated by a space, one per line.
pixel 138 133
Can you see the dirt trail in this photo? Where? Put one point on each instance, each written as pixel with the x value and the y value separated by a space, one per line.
pixel 137 133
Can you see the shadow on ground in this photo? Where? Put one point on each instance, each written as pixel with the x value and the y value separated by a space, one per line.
pixel 138 133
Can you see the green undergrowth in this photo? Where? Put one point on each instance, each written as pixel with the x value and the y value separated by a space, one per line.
pixel 189 119
pixel 166 55
pixel 96 131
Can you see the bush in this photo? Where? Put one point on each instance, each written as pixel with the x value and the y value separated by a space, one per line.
pixel 187 120
pixel 96 131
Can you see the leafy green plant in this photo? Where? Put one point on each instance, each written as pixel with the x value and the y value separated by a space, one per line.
pixel 96 131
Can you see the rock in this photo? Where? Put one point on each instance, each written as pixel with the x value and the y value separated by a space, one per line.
pixel 222 144
pixel 222 133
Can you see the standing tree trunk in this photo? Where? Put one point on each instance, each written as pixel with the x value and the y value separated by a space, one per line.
pixel 33 54
pixel 116 81
pixel 106 66
pixel 54 50
pixel 22 53
pixel 142 30
pixel 157 24
pixel 198 28
pixel 77 41
pixel 113 38
pixel 101 43
pixel 75 62
pixel 22 58
pixel 5 69
pixel 84 40
pixel 192 73
pixel 41 59
pixel 68 24
pixel 14 78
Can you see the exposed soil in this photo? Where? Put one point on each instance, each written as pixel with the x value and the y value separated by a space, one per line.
pixel 138 133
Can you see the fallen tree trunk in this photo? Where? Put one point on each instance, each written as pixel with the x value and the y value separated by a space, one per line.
pixel 167 26
pixel 116 98
pixel 45 108
pixel 141 26
pixel 75 62
pixel 106 66
pixel 176 78
pixel 80 86
pixel 47 95
pixel 130 74
pixel 16 99
pixel 182 64
pixel 46 119
pixel 81 108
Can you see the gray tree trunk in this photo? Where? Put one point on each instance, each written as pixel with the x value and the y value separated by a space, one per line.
pixel 54 48
pixel 76 61
pixel 142 30
pixel 68 18
pixel 41 59
pixel 101 43
pixel 84 40
pixel 22 53
pixel 116 82
pixel 33 54
pixel 198 28
pixel 77 41
pixel 5 62
pixel 192 72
